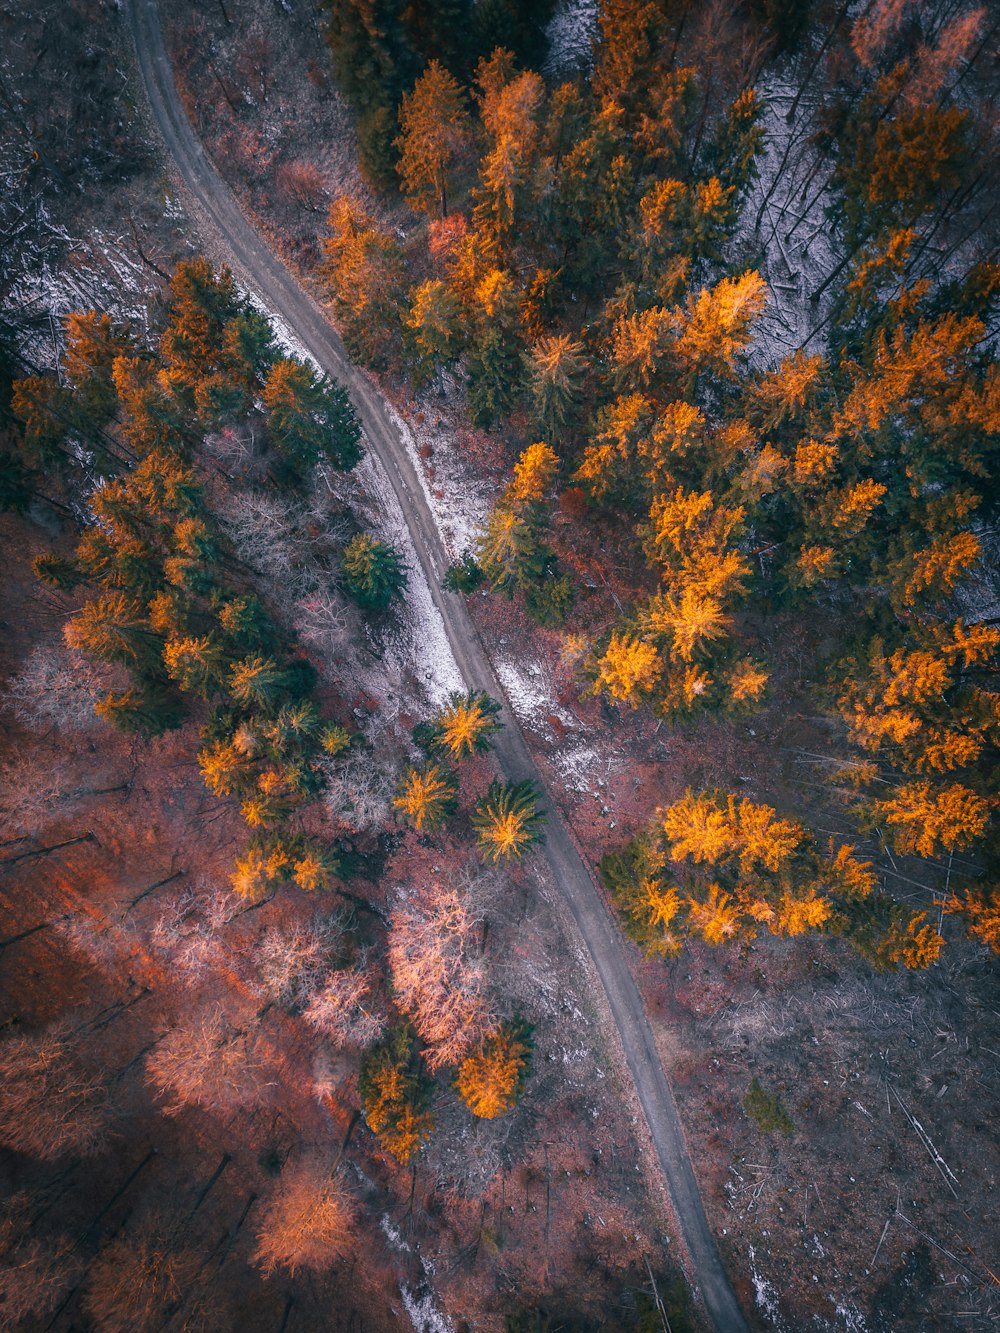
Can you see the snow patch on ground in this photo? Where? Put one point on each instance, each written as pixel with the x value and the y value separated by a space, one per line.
pixel 571 32
pixel 797 246
pixel 765 1294
pixel 419 640
pixel 392 1235
pixel 854 1320
pixel 458 501
pixel 422 1313
pixel 584 767
pixel 531 695
pixel 98 272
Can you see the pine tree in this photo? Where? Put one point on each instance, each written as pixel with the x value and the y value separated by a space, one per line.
pixel 555 370
pixel 435 326
pixel 93 342
pixel 427 798
pixel 629 669
pixel 435 131
pixel 196 664
pixel 394 1096
pixel 311 419
pixel 926 820
pixel 490 1081
pixel 364 269
pixel 373 572
pixel 465 726
pixel 697 827
pixel 507 820
pixel 257 681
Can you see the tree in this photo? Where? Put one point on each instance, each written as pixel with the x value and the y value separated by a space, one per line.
pixel 927 820
pixel 437 972
pixel 113 629
pixel 426 799
pixel 308 1222
pixel 257 682
pixel 364 269
pixel 534 475
pixel 555 370
pixel 93 342
pixel 55 688
pixel 395 1096
pixel 491 1079
pixel 311 418
pixel 206 1061
pixel 373 571
pixel 510 552
pixel 35 1272
pixel 341 1009
pixel 137 1282
pixel 196 664
pixel 435 130
pixel 434 321
pixel 696 827
pixel 464 727
pixel 629 669
pixel 507 820
pixel 509 107
pixel 51 1104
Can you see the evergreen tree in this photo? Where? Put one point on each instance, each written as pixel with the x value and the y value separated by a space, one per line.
pixel 311 419
pixel 373 572
pixel 435 130
pixel 507 820
pixel 490 1081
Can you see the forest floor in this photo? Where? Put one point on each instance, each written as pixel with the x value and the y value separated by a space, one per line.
pixel 874 1214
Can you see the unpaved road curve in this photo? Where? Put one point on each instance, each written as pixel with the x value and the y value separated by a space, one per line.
pixel 252 260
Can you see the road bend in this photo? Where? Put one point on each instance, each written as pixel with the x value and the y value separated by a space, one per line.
pixel 253 261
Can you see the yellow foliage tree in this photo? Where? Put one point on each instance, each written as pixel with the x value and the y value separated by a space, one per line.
pixel 427 797
pixel 629 669
pixel 534 473
pixel 697 828
pixel 490 1080
pixel 716 919
pixel 928 820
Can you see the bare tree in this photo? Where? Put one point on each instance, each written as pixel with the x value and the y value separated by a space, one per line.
pixel 325 622
pixel 342 1011
pixel 57 688
pixel 290 961
pixel 303 183
pixel 261 527
pixel 308 1223
pixel 138 1281
pixel 438 973
pixel 35 1272
pixel 189 929
pixel 33 787
pixel 207 1061
pixel 359 789
pixel 50 1104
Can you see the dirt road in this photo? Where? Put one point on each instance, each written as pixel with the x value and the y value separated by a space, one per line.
pixel 256 265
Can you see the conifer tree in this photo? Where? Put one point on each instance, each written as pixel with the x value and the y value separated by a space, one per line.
pixel 373 571
pixel 555 368
pixel 508 821
pixel 394 1096
pixel 490 1080
pixel 425 799
pixel 435 130
pixel 311 419
pixel 464 727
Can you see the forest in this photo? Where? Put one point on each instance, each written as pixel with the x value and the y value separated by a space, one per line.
pixel 464 776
